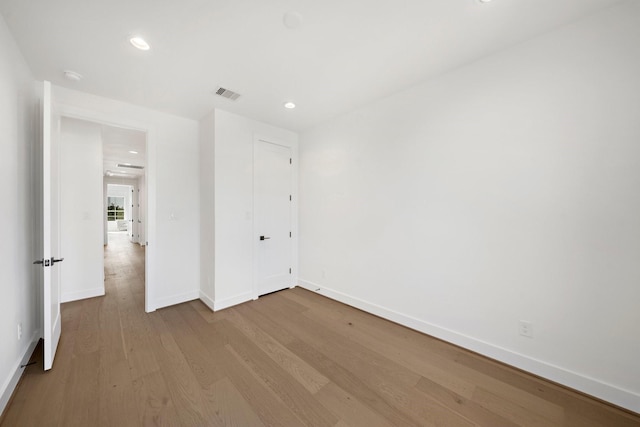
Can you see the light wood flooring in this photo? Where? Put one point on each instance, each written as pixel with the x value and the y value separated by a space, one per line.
pixel 292 358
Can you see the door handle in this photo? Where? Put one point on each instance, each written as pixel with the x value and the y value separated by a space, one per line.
pixel 264 238
pixel 53 260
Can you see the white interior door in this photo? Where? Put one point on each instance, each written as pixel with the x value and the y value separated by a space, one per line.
pixel 51 231
pixel 272 217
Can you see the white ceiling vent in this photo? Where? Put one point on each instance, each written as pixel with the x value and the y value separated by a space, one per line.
pixel 226 93
pixel 122 165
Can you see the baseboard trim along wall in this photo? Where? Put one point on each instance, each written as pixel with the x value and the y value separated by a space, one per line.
pixel 10 384
pixel 176 299
pixel 229 302
pixel 84 294
pixel 207 300
pixel 617 396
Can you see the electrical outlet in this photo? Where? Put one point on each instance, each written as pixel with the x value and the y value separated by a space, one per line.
pixel 19 331
pixel 525 328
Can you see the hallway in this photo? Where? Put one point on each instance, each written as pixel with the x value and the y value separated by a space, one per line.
pixel 124 267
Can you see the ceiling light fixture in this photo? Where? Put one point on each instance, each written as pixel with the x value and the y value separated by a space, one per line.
pixel 133 152
pixel 289 105
pixel 484 1
pixel 139 43
pixel 72 75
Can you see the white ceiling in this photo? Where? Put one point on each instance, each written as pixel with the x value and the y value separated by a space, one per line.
pixel 116 146
pixel 346 53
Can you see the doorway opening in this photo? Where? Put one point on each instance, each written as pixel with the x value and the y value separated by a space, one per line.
pixel 102 187
pixel 124 189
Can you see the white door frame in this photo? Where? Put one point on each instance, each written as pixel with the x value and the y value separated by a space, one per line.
pixel 64 110
pixel 294 211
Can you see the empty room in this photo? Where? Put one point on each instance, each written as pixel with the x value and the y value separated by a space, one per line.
pixel 336 213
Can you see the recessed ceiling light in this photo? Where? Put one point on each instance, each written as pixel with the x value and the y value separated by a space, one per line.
pixel 290 105
pixel 133 152
pixel 72 75
pixel 139 43
pixel 484 1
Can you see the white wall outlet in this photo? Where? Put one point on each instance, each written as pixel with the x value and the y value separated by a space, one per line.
pixel 525 328
pixel 19 331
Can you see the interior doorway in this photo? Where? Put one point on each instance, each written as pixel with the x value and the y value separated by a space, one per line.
pixel 103 180
pixel 124 190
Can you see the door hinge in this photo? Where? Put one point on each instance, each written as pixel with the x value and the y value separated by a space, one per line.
pixel 290 161
pixel 289 234
pixel 289 197
pixel 289 271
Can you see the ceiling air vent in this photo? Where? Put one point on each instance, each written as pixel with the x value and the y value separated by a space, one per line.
pixel 226 93
pixel 121 165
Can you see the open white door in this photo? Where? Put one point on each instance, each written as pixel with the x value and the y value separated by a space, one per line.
pixel 51 231
pixel 272 217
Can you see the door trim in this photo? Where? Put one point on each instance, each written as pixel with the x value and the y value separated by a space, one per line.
pixel 74 112
pixel 293 147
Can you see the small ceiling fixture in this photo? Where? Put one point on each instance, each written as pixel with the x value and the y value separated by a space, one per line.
pixel 72 75
pixel 129 165
pixel 226 93
pixel 484 1
pixel 289 105
pixel 133 152
pixel 139 43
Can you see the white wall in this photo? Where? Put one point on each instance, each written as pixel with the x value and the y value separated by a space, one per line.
pixel 19 284
pixel 232 162
pixel 504 190
pixel 81 210
pixel 173 210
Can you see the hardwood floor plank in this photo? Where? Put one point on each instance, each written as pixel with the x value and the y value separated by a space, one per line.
pixel 266 404
pixel 79 407
pixel 409 348
pixel 266 322
pixel 205 368
pixel 512 411
pixel 154 403
pixel 115 390
pixel 230 406
pixel 462 405
pixel 183 387
pixel 350 410
pixel 311 379
pixel 136 335
pixel 396 351
pixel 292 393
pixel 351 383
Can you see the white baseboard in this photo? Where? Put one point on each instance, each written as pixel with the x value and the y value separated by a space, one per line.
pixel 207 300
pixel 84 294
pixel 610 393
pixel 176 299
pixel 235 300
pixel 10 384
